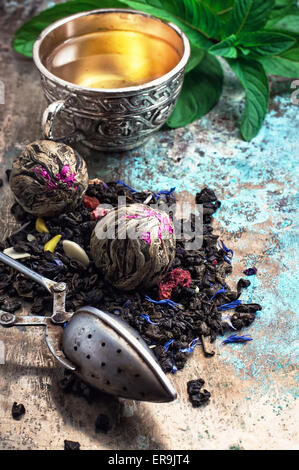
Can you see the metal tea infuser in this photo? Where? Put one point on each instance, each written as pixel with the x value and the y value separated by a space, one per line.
pixel 100 348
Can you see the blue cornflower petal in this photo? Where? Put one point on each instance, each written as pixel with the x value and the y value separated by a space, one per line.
pixel 237 339
pixel 227 319
pixel 126 186
pixel 147 318
pixel 218 292
pixel 166 346
pixel 174 367
pixel 192 346
pixel 164 193
pixel 229 306
pixel 229 252
pixel 58 262
pixel 163 302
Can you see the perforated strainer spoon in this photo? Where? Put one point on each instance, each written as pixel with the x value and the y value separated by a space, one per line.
pixel 99 347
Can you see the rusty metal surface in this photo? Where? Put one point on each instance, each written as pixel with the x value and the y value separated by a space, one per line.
pixel 253 386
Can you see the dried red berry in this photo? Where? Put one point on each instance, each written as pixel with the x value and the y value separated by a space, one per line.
pixel 214 262
pixel 90 202
pixel 176 277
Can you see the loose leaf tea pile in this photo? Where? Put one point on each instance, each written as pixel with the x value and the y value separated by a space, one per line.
pixel 191 306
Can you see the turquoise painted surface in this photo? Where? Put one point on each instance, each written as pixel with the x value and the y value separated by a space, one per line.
pixel 257 183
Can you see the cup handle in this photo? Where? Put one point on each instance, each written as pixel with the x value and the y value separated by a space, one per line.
pixel 49 116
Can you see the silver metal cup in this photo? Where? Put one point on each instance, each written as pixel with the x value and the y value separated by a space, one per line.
pixel 115 118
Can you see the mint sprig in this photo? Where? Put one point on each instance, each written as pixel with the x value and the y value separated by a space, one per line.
pixel 256 38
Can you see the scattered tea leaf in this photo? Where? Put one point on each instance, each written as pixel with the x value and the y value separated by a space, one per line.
pixel 17 411
pixel 71 445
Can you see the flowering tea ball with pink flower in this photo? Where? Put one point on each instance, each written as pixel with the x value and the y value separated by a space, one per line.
pixel 48 178
pixel 133 246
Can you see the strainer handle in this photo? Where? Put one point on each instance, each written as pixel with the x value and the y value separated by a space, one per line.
pixel 43 281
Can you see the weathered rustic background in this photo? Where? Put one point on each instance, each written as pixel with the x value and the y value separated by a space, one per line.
pixel 253 386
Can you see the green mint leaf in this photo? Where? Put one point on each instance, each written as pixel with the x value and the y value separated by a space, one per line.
pixel 196 57
pixel 219 7
pixel 289 22
pixel 26 36
pixel 285 64
pixel 244 50
pixel 201 91
pixel 249 15
pixel 278 14
pixel 222 8
pixel 284 3
pixel 225 48
pixel 260 43
pixel 281 66
pixel 194 17
pixel 254 81
pixel 265 42
pixel 292 53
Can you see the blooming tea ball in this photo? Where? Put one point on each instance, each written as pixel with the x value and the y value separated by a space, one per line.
pixel 134 246
pixel 48 178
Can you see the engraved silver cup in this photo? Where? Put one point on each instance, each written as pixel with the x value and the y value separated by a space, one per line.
pixel 110 119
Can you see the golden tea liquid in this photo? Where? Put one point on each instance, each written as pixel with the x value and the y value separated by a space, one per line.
pixel 112 59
